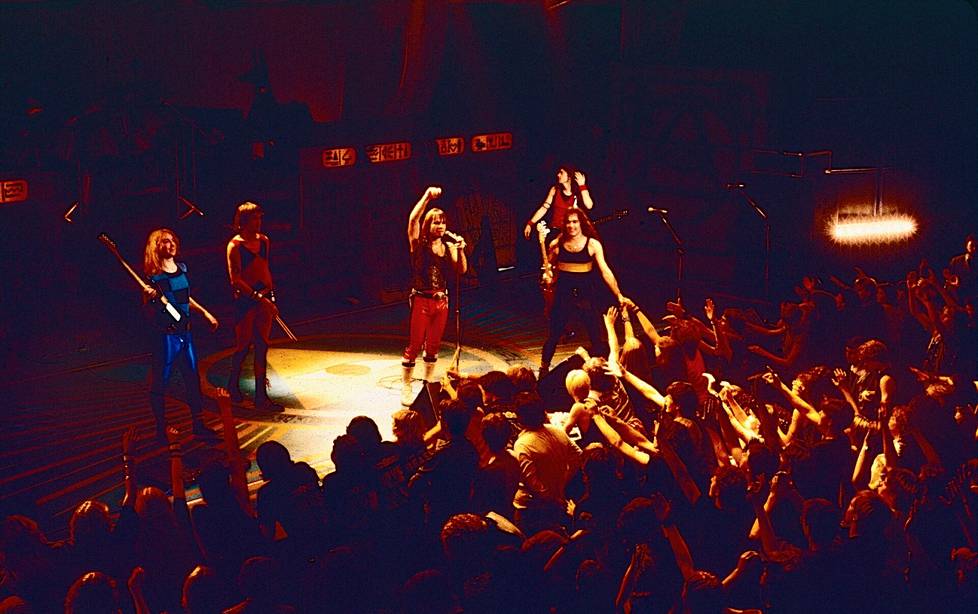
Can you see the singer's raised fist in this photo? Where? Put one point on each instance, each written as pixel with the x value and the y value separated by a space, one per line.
pixel 433 192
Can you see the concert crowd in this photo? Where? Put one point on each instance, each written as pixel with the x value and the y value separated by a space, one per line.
pixel 710 461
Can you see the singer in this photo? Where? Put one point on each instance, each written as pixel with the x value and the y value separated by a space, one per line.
pixel 435 253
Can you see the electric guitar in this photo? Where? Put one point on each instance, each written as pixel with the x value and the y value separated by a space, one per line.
pixel 167 307
pixel 548 277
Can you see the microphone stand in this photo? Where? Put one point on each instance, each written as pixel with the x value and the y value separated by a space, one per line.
pixel 680 254
pixel 458 317
pixel 767 236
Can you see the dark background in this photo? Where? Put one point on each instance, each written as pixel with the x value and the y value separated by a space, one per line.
pixel 126 108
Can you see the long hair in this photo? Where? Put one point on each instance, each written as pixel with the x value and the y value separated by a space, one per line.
pixel 587 226
pixel 244 213
pixel 575 189
pixel 152 265
pixel 429 219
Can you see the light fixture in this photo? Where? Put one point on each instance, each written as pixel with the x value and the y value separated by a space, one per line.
pixel 870 223
pixel 873 228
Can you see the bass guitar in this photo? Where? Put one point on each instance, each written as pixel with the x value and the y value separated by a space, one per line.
pixel 171 311
pixel 548 277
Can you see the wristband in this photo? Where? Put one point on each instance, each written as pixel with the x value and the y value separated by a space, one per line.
pixel 583 188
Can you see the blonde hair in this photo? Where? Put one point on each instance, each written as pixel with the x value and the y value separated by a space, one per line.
pixel 152 265
pixel 578 384
pixel 429 219
pixel 244 213
pixel 410 424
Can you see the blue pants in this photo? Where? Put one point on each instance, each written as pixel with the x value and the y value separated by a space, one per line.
pixel 174 350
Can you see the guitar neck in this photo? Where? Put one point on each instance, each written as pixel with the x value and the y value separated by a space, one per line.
pixel 132 273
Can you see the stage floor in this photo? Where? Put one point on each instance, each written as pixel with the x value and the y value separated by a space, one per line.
pixel 60 442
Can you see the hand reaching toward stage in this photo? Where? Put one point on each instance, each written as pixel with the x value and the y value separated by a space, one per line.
pixel 771 378
pixel 839 379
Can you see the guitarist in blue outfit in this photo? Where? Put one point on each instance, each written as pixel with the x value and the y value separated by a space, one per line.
pixel 169 287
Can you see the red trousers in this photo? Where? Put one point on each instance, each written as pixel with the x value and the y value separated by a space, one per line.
pixel 428 318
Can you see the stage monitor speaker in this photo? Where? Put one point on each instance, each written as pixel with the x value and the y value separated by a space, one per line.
pixel 427 401
pixel 553 390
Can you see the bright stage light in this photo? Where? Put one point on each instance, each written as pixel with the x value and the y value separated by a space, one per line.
pixel 868 229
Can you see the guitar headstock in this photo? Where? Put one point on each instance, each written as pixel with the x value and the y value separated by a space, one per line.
pixel 621 213
pixel 109 243
pixel 542 231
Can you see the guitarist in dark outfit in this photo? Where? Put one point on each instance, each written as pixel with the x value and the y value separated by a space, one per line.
pixel 254 302
pixel 573 256
pixel 175 347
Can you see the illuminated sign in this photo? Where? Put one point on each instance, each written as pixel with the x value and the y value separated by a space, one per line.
pixel 492 142
pixel 340 156
pixel 13 191
pixel 450 146
pixel 388 152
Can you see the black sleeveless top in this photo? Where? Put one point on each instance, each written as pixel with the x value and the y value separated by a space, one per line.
pixel 569 280
pixel 429 272
pixel 581 257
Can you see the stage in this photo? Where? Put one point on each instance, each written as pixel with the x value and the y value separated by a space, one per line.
pixel 62 430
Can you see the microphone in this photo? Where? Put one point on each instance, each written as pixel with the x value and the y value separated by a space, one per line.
pixel 733 186
pixel 659 211
pixel 451 237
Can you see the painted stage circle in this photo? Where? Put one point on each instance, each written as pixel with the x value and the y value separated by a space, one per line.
pixel 339 376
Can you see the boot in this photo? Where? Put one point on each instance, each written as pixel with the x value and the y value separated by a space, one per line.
pixel 429 371
pixel 203 432
pixel 407 394
pixel 234 385
pixel 262 402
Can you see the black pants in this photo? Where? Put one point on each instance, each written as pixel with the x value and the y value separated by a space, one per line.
pixel 570 304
